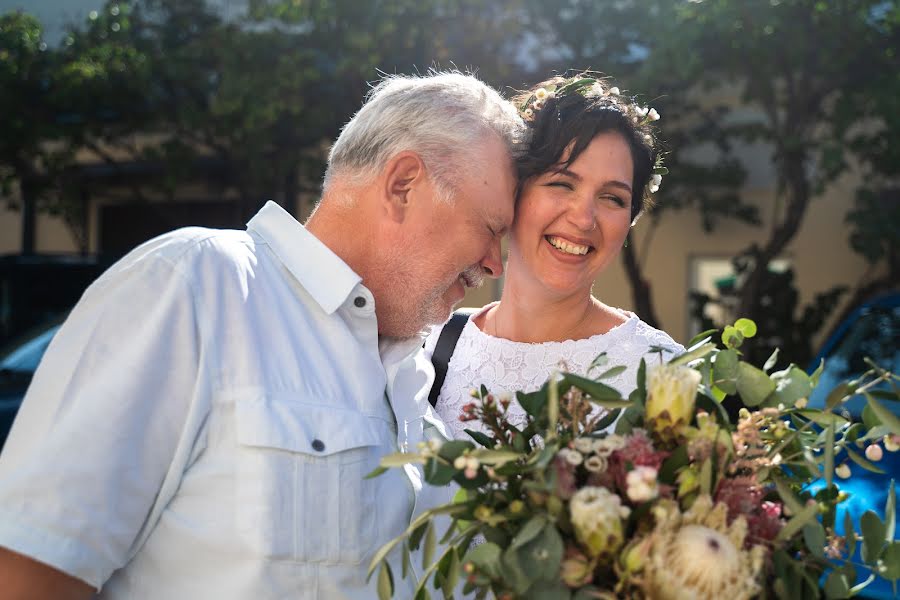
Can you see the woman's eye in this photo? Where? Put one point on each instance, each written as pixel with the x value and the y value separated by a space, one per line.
pixel 562 184
pixel 616 200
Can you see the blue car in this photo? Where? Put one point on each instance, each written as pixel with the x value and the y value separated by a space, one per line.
pixel 17 366
pixel 872 330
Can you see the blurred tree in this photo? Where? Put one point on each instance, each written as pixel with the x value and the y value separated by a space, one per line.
pixel 29 159
pixel 817 82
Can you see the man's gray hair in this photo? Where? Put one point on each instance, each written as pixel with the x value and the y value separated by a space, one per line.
pixel 440 116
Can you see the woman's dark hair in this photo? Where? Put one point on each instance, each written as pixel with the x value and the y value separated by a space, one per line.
pixel 574 119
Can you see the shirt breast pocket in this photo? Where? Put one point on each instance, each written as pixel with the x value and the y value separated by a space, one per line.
pixel 301 488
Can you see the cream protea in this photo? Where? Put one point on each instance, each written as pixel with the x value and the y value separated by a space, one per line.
pixel 696 555
pixel 597 517
pixel 671 393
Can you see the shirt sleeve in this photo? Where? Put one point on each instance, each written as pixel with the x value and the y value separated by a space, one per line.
pixel 95 438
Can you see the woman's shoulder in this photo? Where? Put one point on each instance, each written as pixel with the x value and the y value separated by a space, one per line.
pixel 639 336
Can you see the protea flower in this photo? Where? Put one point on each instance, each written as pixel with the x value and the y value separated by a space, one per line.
pixel 695 555
pixel 597 517
pixel 671 393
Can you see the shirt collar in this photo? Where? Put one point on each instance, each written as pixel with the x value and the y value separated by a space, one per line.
pixel 327 278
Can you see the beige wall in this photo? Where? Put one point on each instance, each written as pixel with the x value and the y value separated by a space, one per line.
pixel 820 253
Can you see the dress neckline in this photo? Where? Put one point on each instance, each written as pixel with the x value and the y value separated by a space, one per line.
pixel 633 319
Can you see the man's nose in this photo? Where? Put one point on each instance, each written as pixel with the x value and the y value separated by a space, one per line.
pixel 492 263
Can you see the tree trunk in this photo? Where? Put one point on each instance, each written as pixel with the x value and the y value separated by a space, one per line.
pixel 641 293
pixel 28 189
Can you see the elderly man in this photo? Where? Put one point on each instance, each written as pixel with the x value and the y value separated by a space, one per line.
pixel 202 424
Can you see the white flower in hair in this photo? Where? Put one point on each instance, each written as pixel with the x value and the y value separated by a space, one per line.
pixel 538 104
pixel 654 116
pixel 614 91
pixel 541 94
pixel 656 180
pixel 641 110
pixel 654 188
pixel 595 90
pixel 528 114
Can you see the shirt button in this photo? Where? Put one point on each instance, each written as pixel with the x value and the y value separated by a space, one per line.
pixel 318 445
pixel 359 302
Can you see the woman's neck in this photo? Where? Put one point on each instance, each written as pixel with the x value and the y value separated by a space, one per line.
pixel 530 315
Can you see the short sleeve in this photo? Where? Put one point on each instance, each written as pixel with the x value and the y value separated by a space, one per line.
pixel 94 440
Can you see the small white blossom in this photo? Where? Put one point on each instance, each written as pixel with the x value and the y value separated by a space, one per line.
pixel 538 104
pixel 843 471
pixel 642 485
pixel 459 463
pixel 641 110
pixel 892 442
pixel 801 403
pixel 529 114
pixel 874 452
pixel 571 456
pixel 541 94
pixel 596 464
pixel 654 188
pixel 656 180
pixel 614 91
pixel 654 116
pixel 472 463
pixel 93 15
pixel 584 445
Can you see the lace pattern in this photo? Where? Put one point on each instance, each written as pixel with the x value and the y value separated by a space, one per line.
pixel 504 366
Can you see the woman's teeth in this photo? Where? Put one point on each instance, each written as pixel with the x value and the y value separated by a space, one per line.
pixel 567 247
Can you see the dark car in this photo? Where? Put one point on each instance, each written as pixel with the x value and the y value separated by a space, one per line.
pixel 37 287
pixel 17 366
pixel 872 331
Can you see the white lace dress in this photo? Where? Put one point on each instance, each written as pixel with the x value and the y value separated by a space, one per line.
pixel 506 366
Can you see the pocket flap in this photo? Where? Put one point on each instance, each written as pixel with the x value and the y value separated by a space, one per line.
pixel 286 424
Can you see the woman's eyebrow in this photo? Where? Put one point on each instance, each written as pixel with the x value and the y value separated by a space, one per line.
pixel 613 183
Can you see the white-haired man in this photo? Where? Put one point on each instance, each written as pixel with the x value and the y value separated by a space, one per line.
pixel 202 424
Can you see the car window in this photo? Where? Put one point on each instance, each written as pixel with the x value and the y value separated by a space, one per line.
pixel 25 358
pixel 876 335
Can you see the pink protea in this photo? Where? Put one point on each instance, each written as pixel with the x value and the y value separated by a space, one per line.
pixel 744 496
pixel 637 452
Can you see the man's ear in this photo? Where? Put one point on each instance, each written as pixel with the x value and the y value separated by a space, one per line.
pixel 403 174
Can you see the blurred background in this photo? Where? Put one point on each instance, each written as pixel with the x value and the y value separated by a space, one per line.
pixel 125 119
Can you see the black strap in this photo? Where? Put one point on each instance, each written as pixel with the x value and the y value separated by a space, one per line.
pixel 443 350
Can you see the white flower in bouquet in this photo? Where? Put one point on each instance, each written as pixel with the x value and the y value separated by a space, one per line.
pixel 696 555
pixel 671 393
pixel 642 485
pixel 597 517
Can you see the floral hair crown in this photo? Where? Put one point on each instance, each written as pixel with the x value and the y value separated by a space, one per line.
pixel 591 87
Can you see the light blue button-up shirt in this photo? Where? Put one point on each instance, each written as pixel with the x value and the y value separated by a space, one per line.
pixel 202 424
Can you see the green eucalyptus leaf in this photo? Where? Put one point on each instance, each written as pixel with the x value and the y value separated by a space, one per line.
pixel 495 458
pixel 872 530
pixel 791 501
pixel 376 472
pixel 451 574
pixel 608 419
pixel 450 451
pixel 481 438
pixel 890 513
pixel 692 355
pixel 597 391
pixel 753 385
pixel 837 395
pixel 612 372
pixel 798 522
pixel 398 459
pixel 829 455
pixel 891 560
pixel 849 533
pixel 865 464
pixel 732 337
pixel 486 558
pixel 837 586
pixel 405 566
pixel 385 582
pixel 533 403
pixel 885 416
pixel 438 473
pixel 823 418
pixel 429 547
pixel 814 538
pixel 746 326
pixel 701 338
pixel 791 385
pixel 725 371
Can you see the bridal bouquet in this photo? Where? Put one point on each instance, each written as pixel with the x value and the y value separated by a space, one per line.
pixel 679 502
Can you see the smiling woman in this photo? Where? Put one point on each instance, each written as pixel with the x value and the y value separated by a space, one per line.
pixel 590 170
